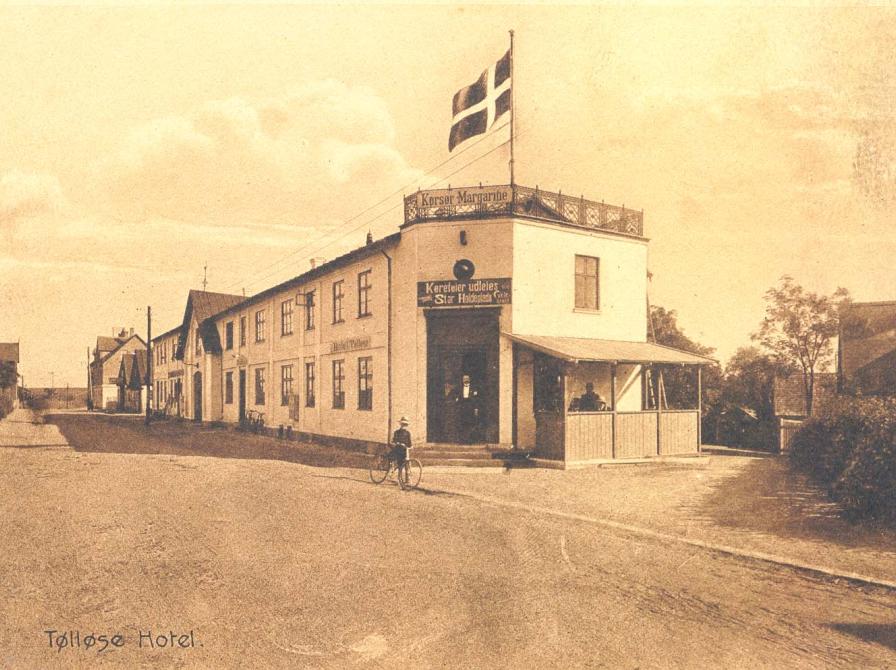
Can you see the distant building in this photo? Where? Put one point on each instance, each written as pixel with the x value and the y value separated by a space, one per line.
pixel 168 374
pixel 789 400
pixel 132 381
pixel 106 364
pixel 866 361
pixel 9 356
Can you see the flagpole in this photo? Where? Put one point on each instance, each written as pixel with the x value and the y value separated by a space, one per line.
pixel 512 108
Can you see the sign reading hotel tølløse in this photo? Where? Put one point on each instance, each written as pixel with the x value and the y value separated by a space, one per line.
pixel 463 293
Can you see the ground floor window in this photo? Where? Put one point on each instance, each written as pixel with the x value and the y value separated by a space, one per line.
pixel 338 384
pixel 365 383
pixel 285 384
pixel 309 384
pixel 228 388
pixel 259 386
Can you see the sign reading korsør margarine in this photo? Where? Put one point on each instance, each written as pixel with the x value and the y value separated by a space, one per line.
pixel 466 293
pixel 453 197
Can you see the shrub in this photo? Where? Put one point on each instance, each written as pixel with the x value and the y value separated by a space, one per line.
pixel 5 405
pixel 850 447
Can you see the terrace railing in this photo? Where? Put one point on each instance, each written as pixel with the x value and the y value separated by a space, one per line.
pixel 494 201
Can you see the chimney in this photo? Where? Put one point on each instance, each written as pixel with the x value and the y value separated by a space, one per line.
pixel 315 262
pixel 131 333
pixel 369 237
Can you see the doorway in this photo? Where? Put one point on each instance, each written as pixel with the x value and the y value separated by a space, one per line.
pixel 242 396
pixel 197 396
pixel 462 376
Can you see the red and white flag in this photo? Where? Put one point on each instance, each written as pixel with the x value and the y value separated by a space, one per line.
pixel 478 106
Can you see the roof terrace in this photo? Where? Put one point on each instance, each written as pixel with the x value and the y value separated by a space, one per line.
pixel 496 201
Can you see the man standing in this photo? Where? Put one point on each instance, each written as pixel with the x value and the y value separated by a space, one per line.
pixel 401 441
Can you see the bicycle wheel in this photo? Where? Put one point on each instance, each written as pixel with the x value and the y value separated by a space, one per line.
pixel 380 469
pixel 410 473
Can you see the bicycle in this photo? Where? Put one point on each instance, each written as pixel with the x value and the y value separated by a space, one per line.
pixel 407 470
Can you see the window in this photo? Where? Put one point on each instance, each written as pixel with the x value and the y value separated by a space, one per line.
pixel 259 386
pixel 242 331
pixel 164 352
pixel 309 310
pixel 259 326
pixel 338 293
pixel 364 293
pixel 338 384
pixel 285 384
pixel 228 388
pixel 309 384
pixel 286 317
pixel 365 383
pixel 587 294
pixel 228 335
pixel 198 343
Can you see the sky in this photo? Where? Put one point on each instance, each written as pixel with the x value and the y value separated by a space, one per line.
pixel 140 144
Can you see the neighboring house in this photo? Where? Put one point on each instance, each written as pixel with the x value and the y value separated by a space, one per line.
pixel 866 361
pixel 132 381
pixel 483 320
pixel 789 398
pixel 168 374
pixel 9 357
pixel 106 364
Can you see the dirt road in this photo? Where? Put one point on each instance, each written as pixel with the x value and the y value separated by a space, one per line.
pixel 271 563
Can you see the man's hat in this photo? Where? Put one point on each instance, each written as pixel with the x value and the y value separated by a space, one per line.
pixel 404 421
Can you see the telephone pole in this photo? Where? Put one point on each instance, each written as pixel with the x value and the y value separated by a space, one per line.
pixel 148 364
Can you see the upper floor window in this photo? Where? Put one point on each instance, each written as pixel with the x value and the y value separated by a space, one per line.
pixel 286 317
pixel 198 343
pixel 587 282
pixel 309 310
pixel 228 335
pixel 259 326
pixel 242 331
pixel 338 294
pixel 364 293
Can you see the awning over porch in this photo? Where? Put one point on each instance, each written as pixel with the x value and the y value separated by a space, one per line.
pixel 576 349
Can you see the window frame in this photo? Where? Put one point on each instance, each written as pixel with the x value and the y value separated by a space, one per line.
pixel 286 317
pixel 364 293
pixel 309 310
pixel 260 318
pixel 285 390
pixel 228 336
pixel 244 326
pixel 337 301
pixel 339 388
pixel 260 387
pixel 585 278
pixel 228 387
pixel 309 383
pixel 365 383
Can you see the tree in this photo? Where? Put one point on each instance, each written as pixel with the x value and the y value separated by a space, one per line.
pixel 7 374
pixel 799 328
pixel 663 328
pixel 750 379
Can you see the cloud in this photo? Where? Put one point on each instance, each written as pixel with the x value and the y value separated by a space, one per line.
pixel 25 195
pixel 321 152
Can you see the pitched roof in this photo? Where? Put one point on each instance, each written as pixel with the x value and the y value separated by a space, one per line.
pixel 204 305
pixel 9 351
pixel 120 342
pixel 132 371
pixel 789 397
pixel 587 349
pixel 867 343
pixel 106 343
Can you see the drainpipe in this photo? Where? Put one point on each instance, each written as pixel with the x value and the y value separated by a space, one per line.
pixel 388 342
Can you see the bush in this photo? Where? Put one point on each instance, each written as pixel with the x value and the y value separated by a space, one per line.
pixel 850 447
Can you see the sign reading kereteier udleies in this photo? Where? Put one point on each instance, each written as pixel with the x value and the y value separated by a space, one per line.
pixel 463 293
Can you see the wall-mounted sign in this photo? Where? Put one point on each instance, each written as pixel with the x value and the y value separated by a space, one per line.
pixel 175 373
pixel 242 361
pixel 349 344
pixel 466 293
pixel 454 197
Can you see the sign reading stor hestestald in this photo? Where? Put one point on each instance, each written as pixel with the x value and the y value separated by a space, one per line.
pixel 464 293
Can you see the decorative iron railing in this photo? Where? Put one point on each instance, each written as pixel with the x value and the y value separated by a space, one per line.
pixel 493 201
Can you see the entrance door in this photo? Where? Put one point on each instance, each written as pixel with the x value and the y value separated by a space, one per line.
pixel 242 397
pixel 462 388
pixel 197 396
